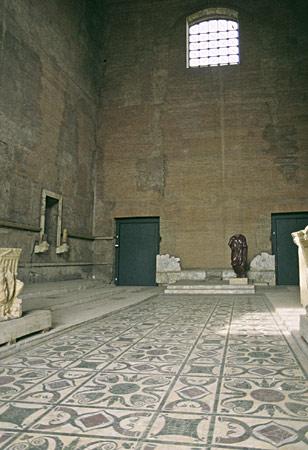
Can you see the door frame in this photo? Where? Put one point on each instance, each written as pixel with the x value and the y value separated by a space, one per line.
pixel 274 217
pixel 117 221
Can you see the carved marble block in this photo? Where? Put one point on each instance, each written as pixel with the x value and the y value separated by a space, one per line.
pixel 262 269
pixel 168 269
pixel 41 247
pixel 10 287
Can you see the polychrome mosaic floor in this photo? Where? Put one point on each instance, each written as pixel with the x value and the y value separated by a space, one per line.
pixel 180 373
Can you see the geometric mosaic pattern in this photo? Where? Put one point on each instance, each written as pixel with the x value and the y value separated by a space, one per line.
pixel 181 373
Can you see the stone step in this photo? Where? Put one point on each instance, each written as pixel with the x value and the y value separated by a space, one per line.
pixel 94 299
pixel 209 289
pixel 210 286
pixel 59 288
pixel 61 300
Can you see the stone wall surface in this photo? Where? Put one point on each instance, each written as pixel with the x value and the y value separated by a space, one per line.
pixel 50 55
pixel 212 151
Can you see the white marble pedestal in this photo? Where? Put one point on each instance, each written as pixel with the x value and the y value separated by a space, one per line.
pixel 300 238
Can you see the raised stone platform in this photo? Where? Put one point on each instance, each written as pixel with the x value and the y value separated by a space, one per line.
pixel 31 322
pixel 169 271
pixel 74 302
pixel 209 288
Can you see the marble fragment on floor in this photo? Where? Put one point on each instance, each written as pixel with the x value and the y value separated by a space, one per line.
pixel 172 373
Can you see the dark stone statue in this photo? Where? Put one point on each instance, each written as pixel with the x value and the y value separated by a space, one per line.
pixel 238 245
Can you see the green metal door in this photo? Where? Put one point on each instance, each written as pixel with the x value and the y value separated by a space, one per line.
pixel 137 245
pixel 285 250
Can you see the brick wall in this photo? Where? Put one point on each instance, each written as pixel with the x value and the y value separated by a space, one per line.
pixel 212 151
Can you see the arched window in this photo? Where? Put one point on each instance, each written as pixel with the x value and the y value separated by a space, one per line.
pixel 213 38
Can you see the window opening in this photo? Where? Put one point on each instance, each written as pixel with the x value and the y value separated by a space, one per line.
pixel 212 41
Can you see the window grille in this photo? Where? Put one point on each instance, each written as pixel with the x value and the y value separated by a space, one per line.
pixel 213 42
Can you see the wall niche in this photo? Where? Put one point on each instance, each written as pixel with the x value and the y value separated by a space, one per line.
pixel 50 224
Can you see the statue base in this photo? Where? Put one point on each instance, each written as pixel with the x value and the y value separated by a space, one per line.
pixel 238 281
pixel 209 287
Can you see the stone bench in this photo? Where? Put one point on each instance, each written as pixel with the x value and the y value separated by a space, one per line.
pixel 31 322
